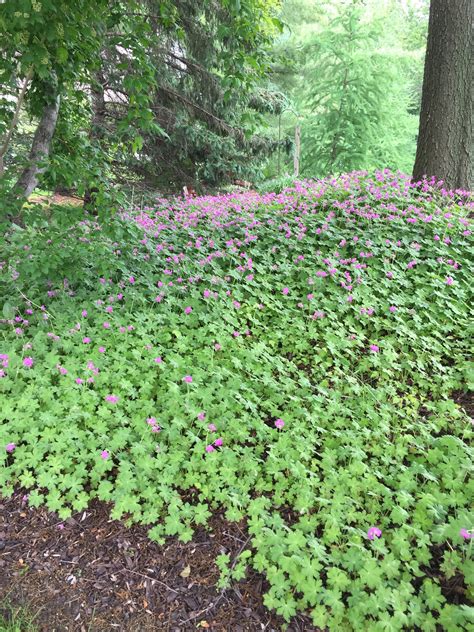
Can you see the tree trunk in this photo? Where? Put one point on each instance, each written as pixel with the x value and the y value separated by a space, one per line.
pixel 445 138
pixel 40 147
pixel 14 122
pixel 96 131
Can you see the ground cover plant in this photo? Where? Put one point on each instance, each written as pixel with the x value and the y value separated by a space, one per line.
pixel 292 358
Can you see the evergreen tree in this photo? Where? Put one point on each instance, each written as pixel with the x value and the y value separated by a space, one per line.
pixel 357 96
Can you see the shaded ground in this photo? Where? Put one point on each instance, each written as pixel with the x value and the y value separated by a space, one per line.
pixel 94 574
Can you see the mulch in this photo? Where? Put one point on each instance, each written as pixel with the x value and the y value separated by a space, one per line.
pixel 92 574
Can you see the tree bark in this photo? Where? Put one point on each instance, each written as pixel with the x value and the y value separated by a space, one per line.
pixel 96 131
pixel 40 147
pixel 14 122
pixel 445 139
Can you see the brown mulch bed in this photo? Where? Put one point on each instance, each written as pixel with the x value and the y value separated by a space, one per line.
pixel 92 573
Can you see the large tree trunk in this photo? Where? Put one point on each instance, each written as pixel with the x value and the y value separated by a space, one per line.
pixel 445 138
pixel 40 147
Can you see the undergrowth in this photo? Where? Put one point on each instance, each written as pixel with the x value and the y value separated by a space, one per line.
pixel 291 358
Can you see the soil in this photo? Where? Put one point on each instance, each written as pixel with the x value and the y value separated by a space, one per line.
pixel 93 574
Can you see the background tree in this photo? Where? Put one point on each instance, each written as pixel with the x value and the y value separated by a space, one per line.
pixel 355 80
pixel 123 92
pixel 445 140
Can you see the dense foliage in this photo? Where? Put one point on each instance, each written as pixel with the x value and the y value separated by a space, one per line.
pixel 353 76
pixel 291 358
pixel 161 92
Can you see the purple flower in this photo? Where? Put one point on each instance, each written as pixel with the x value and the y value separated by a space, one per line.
pixel 86 340
pixel 10 447
pixel 201 416
pixel 101 349
pixel 158 360
pixel 113 399
pixel 188 310
pixel 218 442
pixel 104 455
pixel 84 313
pixel 279 423
pixel 449 280
pixel 28 362
pixel 285 291
pixel 188 379
pixel 392 308
pixel 212 428
pixel 467 535
pixel 374 348
pixel 373 532
pixel 210 448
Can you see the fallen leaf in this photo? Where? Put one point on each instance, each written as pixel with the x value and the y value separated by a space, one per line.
pixel 186 572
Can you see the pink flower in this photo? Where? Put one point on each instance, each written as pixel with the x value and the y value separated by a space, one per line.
pixel 131 280
pixel 151 421
pixel 28 362
pixel 464 533
pixel 104 455
pixel 106 325
pixel 210 448
pixel 373 532
pixel 206 293
pixel 101 349
pixel 449 280
pixel 158 360
pixel 392 308
pixel 285 291
pixel 188 379
pixel 113 399
pixel 389 275
pixel 201 416
pixel 86 340
pixel 212 428
pixel 84 313
pixel 10 447
pixel 109 309
pixel 374 348
pixel 235 334
pixel 279 423
pixel 217 347
pixel 218 442
pixel 78 380
pixel 188 310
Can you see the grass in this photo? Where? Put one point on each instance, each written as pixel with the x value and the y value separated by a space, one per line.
pixel 16 619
